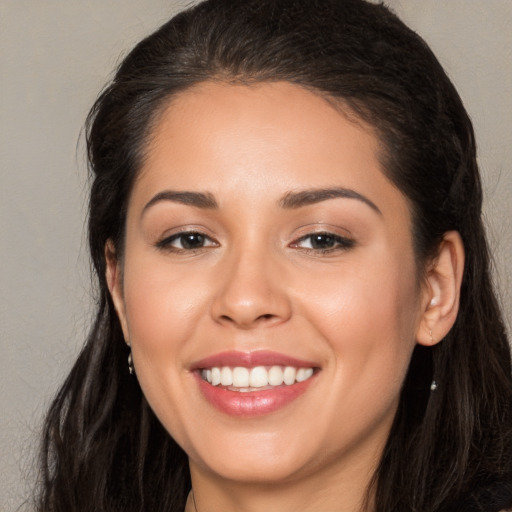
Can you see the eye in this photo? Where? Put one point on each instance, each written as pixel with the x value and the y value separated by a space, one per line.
pixel 186 241
pixel 323 242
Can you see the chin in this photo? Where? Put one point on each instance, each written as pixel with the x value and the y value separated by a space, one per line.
pixel 247 469
pixel 245 457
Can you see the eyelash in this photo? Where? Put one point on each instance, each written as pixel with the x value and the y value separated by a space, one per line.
pixel 339 243
pixel 166 243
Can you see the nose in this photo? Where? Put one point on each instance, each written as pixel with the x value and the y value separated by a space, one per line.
pixel 252 292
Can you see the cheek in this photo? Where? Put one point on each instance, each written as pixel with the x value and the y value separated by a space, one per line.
pixel 368 316
pixel 368 321
pixel 160 300
pixel 162 316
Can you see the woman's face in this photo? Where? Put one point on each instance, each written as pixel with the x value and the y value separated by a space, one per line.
pixel 265 249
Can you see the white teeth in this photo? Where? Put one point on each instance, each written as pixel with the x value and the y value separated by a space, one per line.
pixel 240 377
pixel 215 376
pixel 244 379
pixel 226 376
pixel 304 374
pixel 258 377
pixel 275 376
pixel 289 375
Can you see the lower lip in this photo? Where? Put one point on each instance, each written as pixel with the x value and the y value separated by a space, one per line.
pixel 252 403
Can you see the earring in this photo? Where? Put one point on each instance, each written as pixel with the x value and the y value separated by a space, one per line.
pixel 130 363
pixel 433 385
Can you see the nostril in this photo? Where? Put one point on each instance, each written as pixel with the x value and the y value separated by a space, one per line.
pixel 267 316
pixel 247 311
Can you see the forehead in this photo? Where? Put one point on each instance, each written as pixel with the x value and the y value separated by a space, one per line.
pixel 261 138
pixel 269 116
pixel 261 109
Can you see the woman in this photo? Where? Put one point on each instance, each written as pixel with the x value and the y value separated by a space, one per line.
pixel 295 304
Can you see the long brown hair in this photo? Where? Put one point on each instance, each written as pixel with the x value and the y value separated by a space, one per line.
pixel 103 447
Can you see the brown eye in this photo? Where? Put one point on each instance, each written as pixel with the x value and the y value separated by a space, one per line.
pixel 187 241
pixel 191 240
pixel 324 242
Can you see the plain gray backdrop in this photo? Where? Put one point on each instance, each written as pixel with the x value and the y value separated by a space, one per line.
pixel 55 56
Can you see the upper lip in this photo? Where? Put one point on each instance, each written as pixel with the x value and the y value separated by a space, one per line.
pixel 251 359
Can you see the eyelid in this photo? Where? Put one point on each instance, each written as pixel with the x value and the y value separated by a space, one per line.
pixel 343 242
pixel 165 241
pixel 322 227
pixel 339 239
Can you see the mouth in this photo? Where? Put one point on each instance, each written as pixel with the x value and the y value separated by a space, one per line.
pixel 251 384
pixel 258 378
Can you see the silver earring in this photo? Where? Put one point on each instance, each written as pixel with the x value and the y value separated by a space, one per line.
pixel 433 385
pixel 130 363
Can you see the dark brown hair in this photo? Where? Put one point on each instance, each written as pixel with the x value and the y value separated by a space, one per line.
pixel 103 447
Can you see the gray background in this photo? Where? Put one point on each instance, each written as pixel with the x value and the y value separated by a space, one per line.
pixel 55 55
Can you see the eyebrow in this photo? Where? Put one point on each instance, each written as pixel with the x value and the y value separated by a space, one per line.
pixel 293 200
pixel 197 199
pixel 290 201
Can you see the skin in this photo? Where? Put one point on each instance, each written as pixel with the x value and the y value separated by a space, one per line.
pixel 356 310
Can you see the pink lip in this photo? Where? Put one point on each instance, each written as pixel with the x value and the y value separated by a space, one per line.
pixel 253 403
pixel 249 359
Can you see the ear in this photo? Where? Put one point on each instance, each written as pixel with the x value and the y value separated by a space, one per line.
pixel 440 300
pixel 113 274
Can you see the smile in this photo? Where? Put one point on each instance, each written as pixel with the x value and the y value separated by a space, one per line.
pixel 257 378
pixel 249 384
